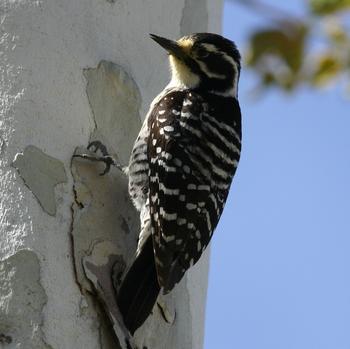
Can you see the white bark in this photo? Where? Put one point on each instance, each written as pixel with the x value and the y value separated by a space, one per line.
pixel 72 71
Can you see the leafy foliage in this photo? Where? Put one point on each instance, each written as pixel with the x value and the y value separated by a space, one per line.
pixel 326 7
pixel 277 53
pixel 283 53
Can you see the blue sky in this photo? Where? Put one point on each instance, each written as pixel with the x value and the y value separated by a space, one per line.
pixel 280 261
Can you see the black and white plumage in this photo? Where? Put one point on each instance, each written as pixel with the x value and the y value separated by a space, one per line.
pixel 181 167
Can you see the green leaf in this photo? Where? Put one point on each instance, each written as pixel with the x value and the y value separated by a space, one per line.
pixel 327 68
pixel 327 7
pixel 286 43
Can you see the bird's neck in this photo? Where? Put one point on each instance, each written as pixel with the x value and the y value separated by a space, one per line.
pixel 181 76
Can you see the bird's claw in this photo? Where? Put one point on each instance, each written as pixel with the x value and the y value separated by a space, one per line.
pixel 98 146
pixel 106 158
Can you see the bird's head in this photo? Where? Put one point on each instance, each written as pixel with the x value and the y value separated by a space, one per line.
pixel 203 61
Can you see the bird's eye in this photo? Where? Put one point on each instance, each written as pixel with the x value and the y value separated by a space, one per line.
pixel 202 53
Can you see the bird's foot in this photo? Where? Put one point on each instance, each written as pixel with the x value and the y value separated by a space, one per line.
pixel 109 160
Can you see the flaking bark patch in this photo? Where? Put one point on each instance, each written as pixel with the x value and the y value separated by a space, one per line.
pixel 40 173
pixel 22 299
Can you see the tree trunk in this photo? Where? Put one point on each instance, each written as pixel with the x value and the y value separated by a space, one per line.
pixel 72 72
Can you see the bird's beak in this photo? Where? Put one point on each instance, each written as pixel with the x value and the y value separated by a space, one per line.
pixel 172 47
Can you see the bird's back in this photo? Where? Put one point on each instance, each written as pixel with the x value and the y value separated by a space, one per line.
pixel 193 150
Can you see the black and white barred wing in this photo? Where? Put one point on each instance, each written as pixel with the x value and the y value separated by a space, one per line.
pixel 185 202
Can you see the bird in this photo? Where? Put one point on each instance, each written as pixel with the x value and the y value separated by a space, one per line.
pixel 181 167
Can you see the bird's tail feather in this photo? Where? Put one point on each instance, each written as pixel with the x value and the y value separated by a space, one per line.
pixel 139 289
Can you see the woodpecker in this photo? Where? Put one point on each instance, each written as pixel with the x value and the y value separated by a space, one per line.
pixel 181 167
